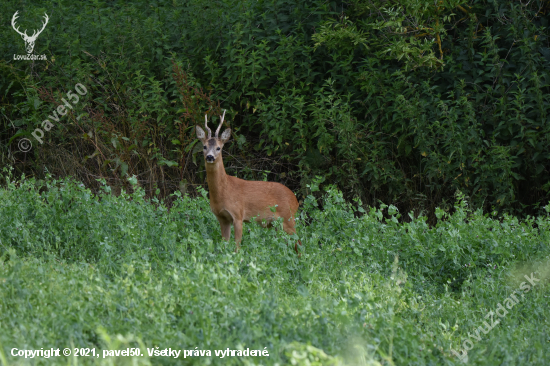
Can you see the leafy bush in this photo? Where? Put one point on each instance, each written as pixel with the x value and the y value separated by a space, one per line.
pixel 404 103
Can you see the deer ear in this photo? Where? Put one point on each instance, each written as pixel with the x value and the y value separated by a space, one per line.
pixel 226 135
pixel 200 133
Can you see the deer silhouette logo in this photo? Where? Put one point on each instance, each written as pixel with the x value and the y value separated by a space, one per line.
pixel 29 40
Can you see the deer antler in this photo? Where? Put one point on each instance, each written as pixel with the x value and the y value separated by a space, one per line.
pixel 207 129
pixel 221 123
pixel 35 34
pixel 24 34
pixel 13 25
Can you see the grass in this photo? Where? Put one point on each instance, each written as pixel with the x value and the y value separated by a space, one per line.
pixel 79 270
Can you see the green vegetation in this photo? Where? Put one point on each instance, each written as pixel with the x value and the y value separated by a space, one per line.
pixel 439 108
pixel 399 101
pixel 80 270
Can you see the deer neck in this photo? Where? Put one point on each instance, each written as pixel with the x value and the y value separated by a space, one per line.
pixel 217 180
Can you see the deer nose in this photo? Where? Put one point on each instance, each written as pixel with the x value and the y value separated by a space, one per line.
pixel 210 158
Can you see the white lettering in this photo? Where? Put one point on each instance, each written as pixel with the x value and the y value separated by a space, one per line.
pixel 79 86
pixel 35 134
pixel 532 279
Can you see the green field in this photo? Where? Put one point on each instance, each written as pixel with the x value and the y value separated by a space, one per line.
pixel 108 272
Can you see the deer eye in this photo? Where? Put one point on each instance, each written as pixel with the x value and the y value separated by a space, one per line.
pixel 205 147
pixel 218 149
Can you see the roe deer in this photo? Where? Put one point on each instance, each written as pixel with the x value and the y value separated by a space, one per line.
pixel 235 200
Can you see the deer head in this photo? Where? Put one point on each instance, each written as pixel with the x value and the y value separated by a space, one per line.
pixel 212 146
pixel 29 40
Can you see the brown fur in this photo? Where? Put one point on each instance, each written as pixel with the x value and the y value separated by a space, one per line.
pixel 234 200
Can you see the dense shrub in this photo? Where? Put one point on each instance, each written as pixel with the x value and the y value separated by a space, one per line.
pixel 402 101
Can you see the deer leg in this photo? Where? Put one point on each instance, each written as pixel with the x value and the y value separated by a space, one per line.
pixel 225 227
pixel 288 227
pixel 238 232
pixel 296 248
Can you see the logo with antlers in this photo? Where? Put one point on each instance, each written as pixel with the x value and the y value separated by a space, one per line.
pixel 29 40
